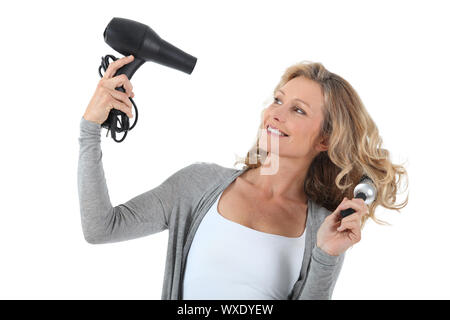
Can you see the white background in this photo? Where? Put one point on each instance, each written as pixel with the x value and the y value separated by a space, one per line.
pixel 394 53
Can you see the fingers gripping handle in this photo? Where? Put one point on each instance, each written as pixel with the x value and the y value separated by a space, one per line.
pixel 116 117
pixel 130 68
pixel 117 120
pixel 349 211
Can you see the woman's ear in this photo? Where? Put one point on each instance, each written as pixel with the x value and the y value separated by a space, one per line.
pixel 322 145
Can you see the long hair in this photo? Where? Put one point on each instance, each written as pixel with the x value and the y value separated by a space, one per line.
pixel 354 146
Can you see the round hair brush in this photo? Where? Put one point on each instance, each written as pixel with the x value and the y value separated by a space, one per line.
pixel 365 190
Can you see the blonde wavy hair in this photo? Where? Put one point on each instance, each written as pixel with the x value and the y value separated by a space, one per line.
pixel 354 147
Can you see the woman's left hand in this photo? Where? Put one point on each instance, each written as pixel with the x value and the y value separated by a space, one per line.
pixel 337 234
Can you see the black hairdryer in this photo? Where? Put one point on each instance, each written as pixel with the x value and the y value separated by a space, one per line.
pixel 133 38
pixel 365 190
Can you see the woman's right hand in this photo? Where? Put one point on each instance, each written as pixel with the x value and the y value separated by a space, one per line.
pixel 106 97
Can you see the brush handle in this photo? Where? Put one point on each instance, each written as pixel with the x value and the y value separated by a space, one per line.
pixel 349 211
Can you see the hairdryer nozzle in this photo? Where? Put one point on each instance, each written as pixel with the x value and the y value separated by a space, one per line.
pixel 173 57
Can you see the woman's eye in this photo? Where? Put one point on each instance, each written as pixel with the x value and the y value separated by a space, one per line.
pixel 277 101
pixel 297 109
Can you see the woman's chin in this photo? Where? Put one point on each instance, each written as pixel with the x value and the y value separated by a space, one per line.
pixel 267 152
pixel 276 149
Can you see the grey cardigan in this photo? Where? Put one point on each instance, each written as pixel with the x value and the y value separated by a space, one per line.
pixel 178 204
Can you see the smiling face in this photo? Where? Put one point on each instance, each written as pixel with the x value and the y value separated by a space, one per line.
pixel 296 111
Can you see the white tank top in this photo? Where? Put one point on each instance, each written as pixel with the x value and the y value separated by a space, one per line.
pixel 229 261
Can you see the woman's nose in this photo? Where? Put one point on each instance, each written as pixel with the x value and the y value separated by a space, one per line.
pixel 280 114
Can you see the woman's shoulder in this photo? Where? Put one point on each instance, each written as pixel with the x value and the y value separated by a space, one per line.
pixel 319 213
pixel 215 168
pixel 206 172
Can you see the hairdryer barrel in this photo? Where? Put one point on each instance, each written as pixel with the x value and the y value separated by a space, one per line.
pixel 130 37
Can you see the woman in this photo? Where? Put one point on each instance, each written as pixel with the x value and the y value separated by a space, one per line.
pixel 271 230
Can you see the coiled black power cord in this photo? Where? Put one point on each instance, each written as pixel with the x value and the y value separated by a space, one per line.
pixel 114 114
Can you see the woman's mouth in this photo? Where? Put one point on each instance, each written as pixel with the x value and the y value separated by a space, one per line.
pixel 274 131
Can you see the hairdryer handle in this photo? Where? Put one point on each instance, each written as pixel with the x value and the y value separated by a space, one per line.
pixel 111 122
pixel 130 68
pixel 349 211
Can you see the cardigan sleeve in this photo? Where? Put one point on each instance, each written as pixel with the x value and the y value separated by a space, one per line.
pixel 145 214
pixel 322 276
